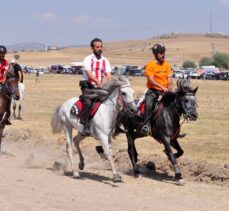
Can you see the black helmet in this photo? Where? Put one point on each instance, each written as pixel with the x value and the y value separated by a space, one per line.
pixel 158 48
pixel 3 49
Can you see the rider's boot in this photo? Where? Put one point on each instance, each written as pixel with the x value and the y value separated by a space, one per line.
pixel 8 122
pixel 86 130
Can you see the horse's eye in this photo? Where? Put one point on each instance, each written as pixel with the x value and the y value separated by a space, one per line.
pixel 124 94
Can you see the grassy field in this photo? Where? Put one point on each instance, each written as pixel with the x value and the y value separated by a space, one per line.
pixel 207 139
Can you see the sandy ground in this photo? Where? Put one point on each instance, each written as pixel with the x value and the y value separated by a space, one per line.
pixel 28 182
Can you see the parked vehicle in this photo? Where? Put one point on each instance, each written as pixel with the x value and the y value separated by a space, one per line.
pixel 56 69
pixel 197 74
pixel 67 70
pixel 178 74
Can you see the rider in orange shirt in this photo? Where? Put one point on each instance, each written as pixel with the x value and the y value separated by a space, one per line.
pixel 158 73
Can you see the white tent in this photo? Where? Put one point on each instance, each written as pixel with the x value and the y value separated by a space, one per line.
pixel 77 64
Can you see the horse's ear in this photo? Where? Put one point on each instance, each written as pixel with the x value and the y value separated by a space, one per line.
pixel 195 90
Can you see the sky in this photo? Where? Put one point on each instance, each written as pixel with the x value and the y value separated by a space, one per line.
pixel 77 22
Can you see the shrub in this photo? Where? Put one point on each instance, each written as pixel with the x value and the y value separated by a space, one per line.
pixel 221 60
pixel 188 64
pixel 206 61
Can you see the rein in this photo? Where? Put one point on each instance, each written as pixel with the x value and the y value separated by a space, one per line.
pixel 177 131
pixel 120 99
pixel 179 113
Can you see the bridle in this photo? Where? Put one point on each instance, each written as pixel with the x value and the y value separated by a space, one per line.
pixel 180 108
pixel 179 113
pixel 9 91
pixel 121 101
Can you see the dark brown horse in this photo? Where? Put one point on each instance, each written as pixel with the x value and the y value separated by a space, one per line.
pixel 165 127
pixel 8 91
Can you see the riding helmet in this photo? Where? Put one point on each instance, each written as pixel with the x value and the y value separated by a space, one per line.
pixel 158 48
pixel 3 49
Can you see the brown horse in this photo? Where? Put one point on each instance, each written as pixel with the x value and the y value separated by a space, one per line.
pixel 8 91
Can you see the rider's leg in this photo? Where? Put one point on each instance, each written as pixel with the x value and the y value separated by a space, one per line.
pixel 8 113
pixel 150 100
pixel 84 119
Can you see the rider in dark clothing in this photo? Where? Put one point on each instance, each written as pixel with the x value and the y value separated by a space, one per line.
pixel 17 70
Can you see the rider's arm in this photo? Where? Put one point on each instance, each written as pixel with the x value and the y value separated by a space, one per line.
pixel 153 82
pixel 108 76
pixel 5 73
pixel 20 76
pixel 170 83
pixel 169 78
pixel 92 77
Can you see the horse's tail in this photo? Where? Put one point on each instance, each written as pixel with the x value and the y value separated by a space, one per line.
pixel 56 123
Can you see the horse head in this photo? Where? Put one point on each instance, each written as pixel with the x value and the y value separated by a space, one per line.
pixel 126 93
pixel 11 87
pixel 186 99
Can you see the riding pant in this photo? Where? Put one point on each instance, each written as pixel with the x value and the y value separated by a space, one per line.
pixel 151 99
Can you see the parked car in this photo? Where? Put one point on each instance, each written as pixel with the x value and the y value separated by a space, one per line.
pixel 138 72
pixel 196 74
pixel 225 76
pixel 178 74
pixel 67 70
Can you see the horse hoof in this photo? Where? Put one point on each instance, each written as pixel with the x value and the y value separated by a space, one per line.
pixel 181 182
pixel 137 175
pixel 76 175
pixel 117 178
pixel 81 165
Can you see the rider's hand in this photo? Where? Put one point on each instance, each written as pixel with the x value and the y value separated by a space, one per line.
pixel 99 83
pixel 164 89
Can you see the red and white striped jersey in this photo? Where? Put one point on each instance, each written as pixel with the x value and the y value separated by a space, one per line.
pixel 98 67
pixel 4 67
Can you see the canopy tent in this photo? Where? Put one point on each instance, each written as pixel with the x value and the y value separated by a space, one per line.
pixel 77 64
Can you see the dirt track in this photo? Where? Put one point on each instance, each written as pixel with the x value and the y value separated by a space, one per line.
pixel 28 182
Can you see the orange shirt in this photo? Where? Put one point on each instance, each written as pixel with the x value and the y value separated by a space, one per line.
pixel 160 73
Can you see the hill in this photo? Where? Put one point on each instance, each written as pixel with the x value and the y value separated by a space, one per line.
pixel 136 52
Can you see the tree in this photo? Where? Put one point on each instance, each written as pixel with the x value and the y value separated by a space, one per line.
pixel 221 60
pixel 17 56
pixel 188 64
pixel 206 61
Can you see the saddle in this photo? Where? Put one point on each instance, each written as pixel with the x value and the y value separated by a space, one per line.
pixel 155 112
pixel 77 109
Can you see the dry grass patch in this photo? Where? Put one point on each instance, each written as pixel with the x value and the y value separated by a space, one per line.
pixel 207 138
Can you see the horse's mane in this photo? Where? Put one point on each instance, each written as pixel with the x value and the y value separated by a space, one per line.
pixel 168 98
pixel 108 87
pixel 115 82
pixel 184 85
pixel 10 74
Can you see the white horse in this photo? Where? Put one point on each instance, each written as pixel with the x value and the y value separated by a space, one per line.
pixel 119 95
pixel 21 87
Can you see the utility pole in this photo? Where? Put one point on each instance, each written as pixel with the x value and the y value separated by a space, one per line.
pixel 210 22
